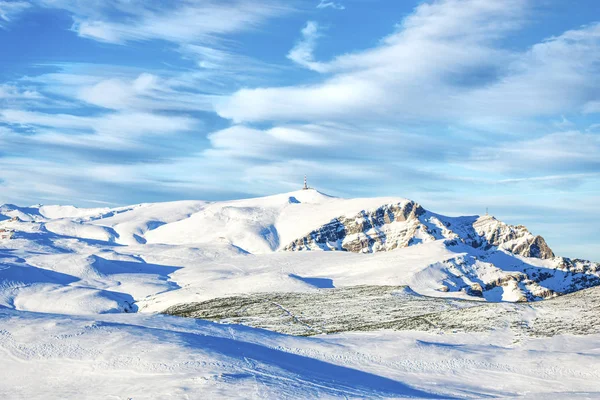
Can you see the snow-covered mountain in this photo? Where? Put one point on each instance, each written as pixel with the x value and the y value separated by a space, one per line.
pixel 80 290
pixel 98 252
pixel 406 223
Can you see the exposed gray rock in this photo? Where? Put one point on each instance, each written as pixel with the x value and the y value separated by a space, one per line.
pixel 377 230
pixel 521 280
pixel 475 289
pixel 366 231
pixel 515 239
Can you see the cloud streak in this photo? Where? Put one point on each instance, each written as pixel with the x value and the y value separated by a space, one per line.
pixel 9 10
pixel 330 4
pixel 302 53
pixel 120 21
pixel 560 152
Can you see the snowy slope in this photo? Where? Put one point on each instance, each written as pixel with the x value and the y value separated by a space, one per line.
pixel 48 356
pixel 261 225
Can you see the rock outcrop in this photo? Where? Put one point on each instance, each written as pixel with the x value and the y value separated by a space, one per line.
pixel 386 228
pixel 393 226
pixel 514 239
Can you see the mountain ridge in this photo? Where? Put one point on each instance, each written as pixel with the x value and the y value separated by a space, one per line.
pixel 471 257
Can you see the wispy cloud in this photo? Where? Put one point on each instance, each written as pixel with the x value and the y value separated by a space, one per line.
pixel 13 93
pixel 111 124
pixel 330 4
pixel 144 92
pixel 121 21
pixel 302 53
pixel 565 180
pixel 117 94
pixel 10 9
pixel 103 118
pixel 560 152
pixel 213 58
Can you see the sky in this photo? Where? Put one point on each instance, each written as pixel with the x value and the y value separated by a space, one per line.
pixel 460 105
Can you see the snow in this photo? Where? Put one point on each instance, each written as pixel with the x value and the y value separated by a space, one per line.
pixel 132 223
pixel 262 225
pixel 141 357
pixel 84 231
pixel 279 272
pixel 57 212
pixel 80 290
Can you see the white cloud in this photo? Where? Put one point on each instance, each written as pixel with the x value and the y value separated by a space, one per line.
pixel 445 63
pixel 221 67
pixel 121 21
pixel 9 9
pixel 244 142
pixel 99 30
pixel 555 76
pixel 143 124
pixel 330 4
pixel 118 94
pixel 124 89
pixel 49 177
pixel 328 144
pixel 437 54
pixel 302 53
pixel 297 136
pixel 221 59
pixel 197 30
pixel 20 117
pixel 110 125
pixel 12 92
pixel 560 152
pixel 562 180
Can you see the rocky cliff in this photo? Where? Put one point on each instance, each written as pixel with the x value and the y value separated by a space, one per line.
pixel 393 226
pixel 388 227
pixel 514 239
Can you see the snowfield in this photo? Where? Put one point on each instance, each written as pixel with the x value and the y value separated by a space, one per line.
pixel 146 357
pixel 397 301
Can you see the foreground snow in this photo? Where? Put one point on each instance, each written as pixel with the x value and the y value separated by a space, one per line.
pixel 140 357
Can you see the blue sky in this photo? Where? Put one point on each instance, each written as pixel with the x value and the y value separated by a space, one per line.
pixel 457 104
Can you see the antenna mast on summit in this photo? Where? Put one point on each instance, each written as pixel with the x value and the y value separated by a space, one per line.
pixel 305 184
